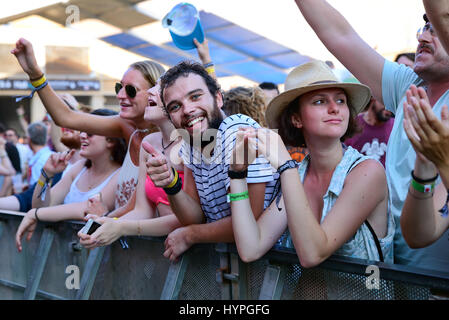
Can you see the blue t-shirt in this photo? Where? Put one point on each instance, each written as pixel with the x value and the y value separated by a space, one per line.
pixel 400 161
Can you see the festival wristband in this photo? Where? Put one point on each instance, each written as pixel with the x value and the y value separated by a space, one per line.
pixel 175 179
pixel 237 196
pixel 424 188
pixel 39 82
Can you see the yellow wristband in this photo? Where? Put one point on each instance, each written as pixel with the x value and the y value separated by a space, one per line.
pixel 175 179
pixel 210 70
pixel 39 81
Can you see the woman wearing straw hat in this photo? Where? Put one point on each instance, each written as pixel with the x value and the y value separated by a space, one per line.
pixel 336 200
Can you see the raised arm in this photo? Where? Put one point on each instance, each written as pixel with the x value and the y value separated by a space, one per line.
pixel 344 43
pixel 438 14
pixel 109 126
pixel 423 220
pixel 204 55
pixel 55 164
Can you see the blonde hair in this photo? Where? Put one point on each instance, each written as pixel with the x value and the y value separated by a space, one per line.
pixel 249 101
pixel 150 70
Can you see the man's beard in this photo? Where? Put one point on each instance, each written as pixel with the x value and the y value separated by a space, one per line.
pixel 214 121
pixel 380 116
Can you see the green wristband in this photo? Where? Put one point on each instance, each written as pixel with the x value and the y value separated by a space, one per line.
pixel 237 196
pixel 424 188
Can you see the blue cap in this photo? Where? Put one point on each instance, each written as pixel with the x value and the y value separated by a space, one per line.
pixel 184 24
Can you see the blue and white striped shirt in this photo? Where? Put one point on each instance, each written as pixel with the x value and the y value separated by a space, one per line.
pixel 211 173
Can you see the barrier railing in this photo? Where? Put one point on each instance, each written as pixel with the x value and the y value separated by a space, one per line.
pixel 53 265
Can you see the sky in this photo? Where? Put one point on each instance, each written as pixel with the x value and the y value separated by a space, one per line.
pixel 389 26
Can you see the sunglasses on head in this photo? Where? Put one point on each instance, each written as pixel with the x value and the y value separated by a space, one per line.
pixel 129 89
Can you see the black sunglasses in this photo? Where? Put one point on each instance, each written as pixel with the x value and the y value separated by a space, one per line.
pixel 129 89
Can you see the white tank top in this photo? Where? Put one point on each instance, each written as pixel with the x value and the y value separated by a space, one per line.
pixel 127 178
pixel 75 195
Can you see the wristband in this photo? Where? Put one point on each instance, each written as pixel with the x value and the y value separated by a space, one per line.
pixel 44 174
pixel 35 215
pixel 175 179
pixel 208 65
pixel 210 70
pixel 424 188
pixel 289 164
pixel 237 174
pixel 175 186
pixel 237 196
pixel 423 181
pixel 39 81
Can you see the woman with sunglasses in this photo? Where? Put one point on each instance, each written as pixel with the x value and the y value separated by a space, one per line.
pixel 129 124
pixel 152 215
pixel 95 174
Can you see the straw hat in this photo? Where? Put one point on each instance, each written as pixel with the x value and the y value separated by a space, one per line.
pixel 312 76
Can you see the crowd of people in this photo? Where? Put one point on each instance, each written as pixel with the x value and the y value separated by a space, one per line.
pixel 325 167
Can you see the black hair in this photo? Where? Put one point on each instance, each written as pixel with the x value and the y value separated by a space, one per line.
pixel 184 68
pixel 268 86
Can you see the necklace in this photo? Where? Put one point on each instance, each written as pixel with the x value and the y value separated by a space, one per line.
pixel 165 147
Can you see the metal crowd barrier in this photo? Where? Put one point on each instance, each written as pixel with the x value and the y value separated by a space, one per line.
pixel 53 265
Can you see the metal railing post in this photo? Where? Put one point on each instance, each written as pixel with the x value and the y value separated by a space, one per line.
pixel 273 283
pixel 39 264
pixel 90 273
pixel 175 277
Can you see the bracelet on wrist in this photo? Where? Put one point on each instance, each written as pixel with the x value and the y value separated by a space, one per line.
pixel 237 196
pixel 37 78
pixel 289 164
pixel 45 175
pixel 175 186
pixel 208 65
pixel 39 81
pixel 238 174
pixel 423 188
pixel 35 215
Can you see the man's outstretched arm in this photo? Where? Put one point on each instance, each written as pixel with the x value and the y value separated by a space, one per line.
pixel 344 43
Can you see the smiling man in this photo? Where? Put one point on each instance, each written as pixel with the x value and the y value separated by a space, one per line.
pixel 193 101
pixel 389 82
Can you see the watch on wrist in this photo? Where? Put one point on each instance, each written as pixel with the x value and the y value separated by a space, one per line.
pixel 237 174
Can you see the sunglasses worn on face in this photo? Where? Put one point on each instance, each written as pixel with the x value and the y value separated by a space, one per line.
pixel 129 89
pixel 427 27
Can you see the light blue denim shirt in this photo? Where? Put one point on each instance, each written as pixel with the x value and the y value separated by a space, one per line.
pixel 362 244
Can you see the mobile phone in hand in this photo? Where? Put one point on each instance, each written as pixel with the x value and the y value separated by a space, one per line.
pixel 90 227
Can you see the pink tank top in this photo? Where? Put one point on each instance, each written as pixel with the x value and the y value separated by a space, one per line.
pixel 157 195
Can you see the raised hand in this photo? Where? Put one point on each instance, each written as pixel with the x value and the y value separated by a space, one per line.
pixel 203 50
pixel 428 135
pixel 245 149
pixel 25 56
pixel 271 146
pixel 158 168
pixel 58 162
